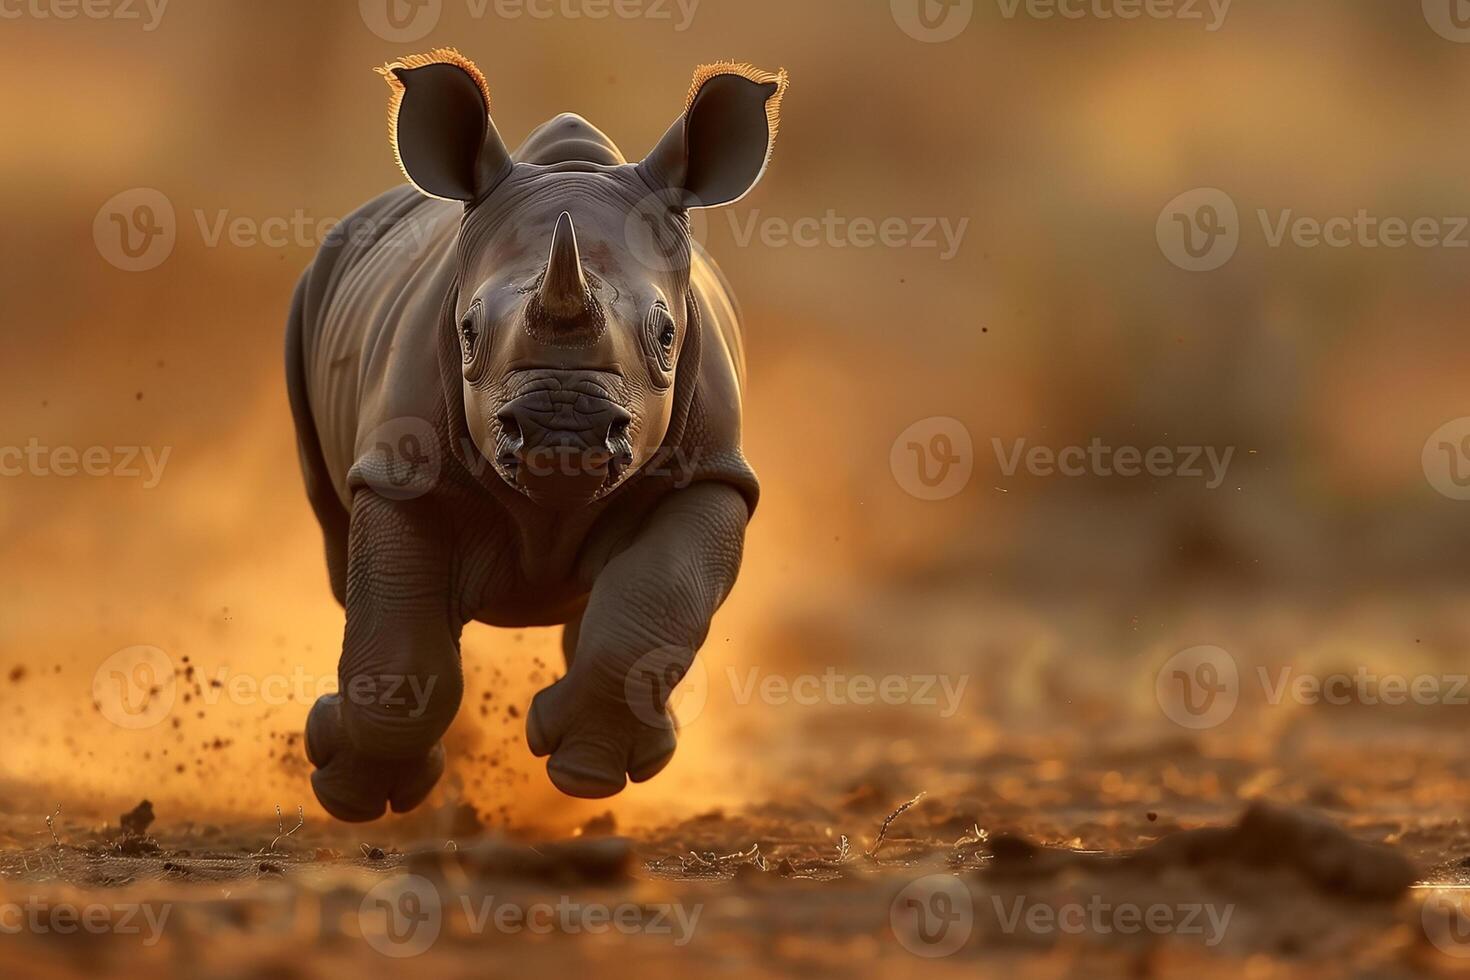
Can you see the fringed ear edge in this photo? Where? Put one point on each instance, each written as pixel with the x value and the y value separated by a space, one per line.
pixel 438 56
pixel 747 71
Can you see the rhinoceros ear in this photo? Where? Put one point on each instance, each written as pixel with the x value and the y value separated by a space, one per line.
pixel 719 148
pixel 440 127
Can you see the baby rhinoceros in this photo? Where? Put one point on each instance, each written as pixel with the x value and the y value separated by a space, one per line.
pixel 516 386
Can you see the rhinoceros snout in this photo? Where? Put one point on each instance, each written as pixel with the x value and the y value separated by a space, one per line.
pixel 563 443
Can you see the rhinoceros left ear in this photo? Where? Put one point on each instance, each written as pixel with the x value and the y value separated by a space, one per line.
pixel 439 124
pixel 717 151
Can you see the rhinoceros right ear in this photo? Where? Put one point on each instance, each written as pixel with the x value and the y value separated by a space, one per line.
pixel 439 124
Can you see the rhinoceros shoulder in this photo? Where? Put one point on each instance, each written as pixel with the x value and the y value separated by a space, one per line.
pixel 711 435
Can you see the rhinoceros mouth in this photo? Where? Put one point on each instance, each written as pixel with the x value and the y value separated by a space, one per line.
pixel 563 442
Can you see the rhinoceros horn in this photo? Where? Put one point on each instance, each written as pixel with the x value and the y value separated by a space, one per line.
pixel 564 292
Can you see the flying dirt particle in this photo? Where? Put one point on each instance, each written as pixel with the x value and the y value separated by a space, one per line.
pixel 1152 816
pixel 135 822
pixel 17 674
pixel 601 825
pixel 138 396
pixel 464 821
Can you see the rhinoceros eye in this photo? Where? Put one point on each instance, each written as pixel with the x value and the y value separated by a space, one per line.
pixel 469 331
pixel 660 334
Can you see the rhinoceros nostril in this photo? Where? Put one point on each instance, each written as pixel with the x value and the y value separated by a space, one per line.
pixel 510 444
pixel 618 441
pixel 621 446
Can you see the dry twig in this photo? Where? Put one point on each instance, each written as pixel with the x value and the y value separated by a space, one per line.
pixel 281 826
pixel 888 822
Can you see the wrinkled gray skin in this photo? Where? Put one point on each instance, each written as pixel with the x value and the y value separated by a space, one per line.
pixel 506 413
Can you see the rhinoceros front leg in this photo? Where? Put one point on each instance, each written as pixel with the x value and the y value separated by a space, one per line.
pixel 375 742
pixel 649 611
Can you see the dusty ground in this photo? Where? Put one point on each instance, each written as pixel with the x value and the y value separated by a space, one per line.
pixel 1056 847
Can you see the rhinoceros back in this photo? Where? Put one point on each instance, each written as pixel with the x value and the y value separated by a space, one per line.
pixel 369 307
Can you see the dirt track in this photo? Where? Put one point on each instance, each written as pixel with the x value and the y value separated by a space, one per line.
pixel 777 890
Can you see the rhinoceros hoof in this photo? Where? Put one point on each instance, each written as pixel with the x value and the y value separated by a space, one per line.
pixel 595 746
pixel 355 787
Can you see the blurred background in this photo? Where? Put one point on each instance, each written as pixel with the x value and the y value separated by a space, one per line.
pixel 1027 288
